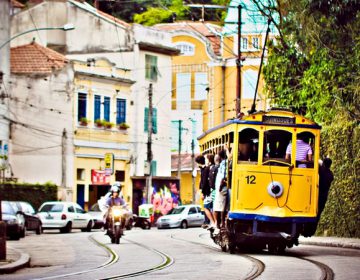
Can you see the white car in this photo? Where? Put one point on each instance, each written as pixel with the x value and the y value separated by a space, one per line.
pixel 64 216
pixel 182 216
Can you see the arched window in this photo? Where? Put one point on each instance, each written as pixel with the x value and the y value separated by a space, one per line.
pixel 274 147
pixel 248 146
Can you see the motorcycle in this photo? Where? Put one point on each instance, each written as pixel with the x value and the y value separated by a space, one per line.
pixel 117 221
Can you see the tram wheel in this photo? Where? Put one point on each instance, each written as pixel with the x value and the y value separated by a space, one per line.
pixel 276 248
pixel 232 248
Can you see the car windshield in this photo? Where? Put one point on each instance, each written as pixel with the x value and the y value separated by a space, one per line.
pixel 6 208
pixel 95 208
pixel 51 208
pixel 27 208
pixel 176 211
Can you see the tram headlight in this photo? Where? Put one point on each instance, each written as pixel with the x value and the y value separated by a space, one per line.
pixel 275 189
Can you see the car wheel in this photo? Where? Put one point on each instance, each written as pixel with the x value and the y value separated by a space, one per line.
pixel 23 232
pixel 89 226
pixel 130 224
pixel 39 229
pixel 184 225
pixel 15 236
pixel 67 228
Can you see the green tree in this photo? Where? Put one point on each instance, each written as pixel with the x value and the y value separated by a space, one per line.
pixel 315 64
pixel 168 11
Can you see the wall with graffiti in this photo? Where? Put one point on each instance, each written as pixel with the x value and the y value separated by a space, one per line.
pixel 164 197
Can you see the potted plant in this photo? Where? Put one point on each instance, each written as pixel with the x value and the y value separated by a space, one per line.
pixel 84 121
pixel 123 126
pixel 108 125
pixel 99 123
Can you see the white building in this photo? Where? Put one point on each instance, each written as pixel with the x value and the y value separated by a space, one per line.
pixel 146 52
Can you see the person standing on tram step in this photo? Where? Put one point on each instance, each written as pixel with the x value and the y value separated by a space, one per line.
pixel 221 190
pixel 325 179
pixel 303 151
pixel 204 174
pixel 212 181
pixel 206 191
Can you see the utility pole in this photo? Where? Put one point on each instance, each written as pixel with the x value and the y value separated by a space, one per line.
pixel 238 66
pixel 179 150
pixel 149 151
pixel 4 124
pixel 63 159
pixel 193 132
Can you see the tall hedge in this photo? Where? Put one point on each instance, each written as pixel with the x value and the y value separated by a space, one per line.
pixel 35 194
pixel 341 214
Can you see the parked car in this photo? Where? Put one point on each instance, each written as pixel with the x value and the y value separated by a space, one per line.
pixel 14 225
pixel 64 216
pixel 32 221
pixel 98 217
pixel 182 216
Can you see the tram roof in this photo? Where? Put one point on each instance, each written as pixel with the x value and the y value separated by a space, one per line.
pixel 273 117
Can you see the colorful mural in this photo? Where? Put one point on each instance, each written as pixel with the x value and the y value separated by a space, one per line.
pixel 165 197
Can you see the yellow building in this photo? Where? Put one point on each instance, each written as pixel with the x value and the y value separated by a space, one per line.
pixel 205 80
pixel 101 139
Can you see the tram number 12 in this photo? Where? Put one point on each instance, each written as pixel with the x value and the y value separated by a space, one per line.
pixel 250 179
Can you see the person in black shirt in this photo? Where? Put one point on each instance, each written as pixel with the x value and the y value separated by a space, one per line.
pixel 204 166
pixel 325 179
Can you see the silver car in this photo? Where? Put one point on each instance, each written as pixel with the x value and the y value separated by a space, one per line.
pixel 182 216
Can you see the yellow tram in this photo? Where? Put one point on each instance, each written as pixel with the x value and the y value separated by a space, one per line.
pixel 273 197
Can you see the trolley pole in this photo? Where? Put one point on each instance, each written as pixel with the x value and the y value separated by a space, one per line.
pixel 238 66
pixel 149 150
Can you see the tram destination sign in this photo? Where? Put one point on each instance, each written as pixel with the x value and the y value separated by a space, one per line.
pixel 278 120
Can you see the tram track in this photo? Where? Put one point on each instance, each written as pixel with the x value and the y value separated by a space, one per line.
pixel 326 272
pixel 258 265
pixel 167 261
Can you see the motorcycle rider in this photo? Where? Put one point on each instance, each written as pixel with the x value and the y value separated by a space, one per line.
pixel 114 199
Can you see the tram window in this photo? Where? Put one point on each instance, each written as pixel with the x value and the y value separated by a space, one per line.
pixel 274 147
pixel 248 146
pixel 304 150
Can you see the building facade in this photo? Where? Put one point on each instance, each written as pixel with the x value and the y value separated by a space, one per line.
pixel 40 116
pixel 114 65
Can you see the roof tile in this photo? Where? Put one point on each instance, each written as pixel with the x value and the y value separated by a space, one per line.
pixel 35 59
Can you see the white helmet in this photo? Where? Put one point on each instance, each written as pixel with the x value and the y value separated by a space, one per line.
pixel 116 187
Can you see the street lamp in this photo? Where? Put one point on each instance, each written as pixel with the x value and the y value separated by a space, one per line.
pixel 66 27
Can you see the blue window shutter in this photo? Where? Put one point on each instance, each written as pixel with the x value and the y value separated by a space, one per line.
pixel 154 120
pixel 97 104
pixel 107 108
pixel 146 119
pixel 120 111
pixel 81 106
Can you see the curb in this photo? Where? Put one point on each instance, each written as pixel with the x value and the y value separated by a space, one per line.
pixel 23 261
pixel 332 243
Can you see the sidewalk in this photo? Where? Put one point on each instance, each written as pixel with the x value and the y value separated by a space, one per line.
pixel 16 259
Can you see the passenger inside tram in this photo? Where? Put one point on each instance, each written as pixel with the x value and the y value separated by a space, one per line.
pixel 248 146
pixel 304 151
